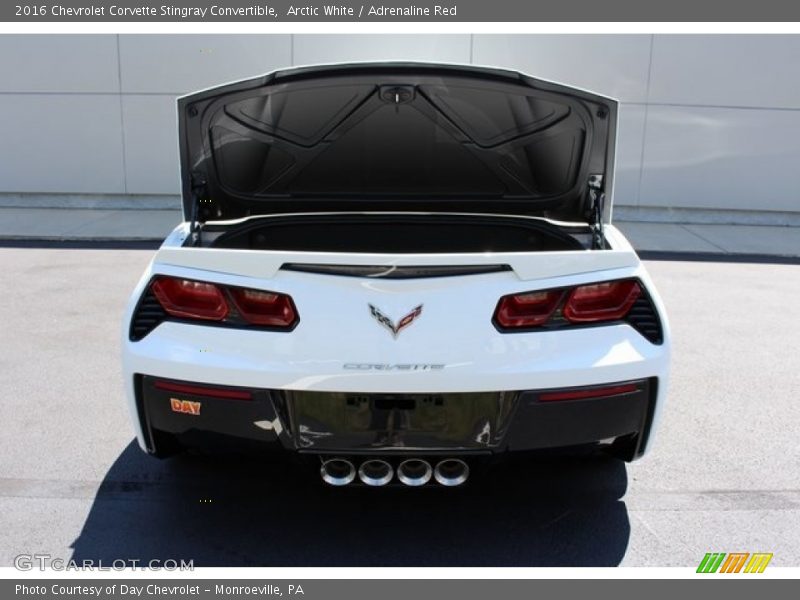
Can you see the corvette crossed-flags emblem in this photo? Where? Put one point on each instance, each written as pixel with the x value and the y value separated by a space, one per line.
pixel 395 328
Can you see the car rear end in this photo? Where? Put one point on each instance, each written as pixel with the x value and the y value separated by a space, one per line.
pixel 464 380
pixel 396 271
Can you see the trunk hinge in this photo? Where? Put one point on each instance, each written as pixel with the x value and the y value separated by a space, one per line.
pixel 199 194
pixel 597 200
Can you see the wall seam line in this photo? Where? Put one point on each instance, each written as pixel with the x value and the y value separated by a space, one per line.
pixel 644 124
pixel 122 121
pixel 472 48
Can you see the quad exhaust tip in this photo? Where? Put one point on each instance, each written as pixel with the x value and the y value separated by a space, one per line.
pixel 375 472
pixel 451 472
pixel 338 472
pixel 414 472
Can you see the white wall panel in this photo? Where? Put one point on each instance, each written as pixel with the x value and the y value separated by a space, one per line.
pixel 151 144
pixel 61 143
pixel 726 70
pixel 721 158
pixel 58 63
pixel 313 49
pixel 178 64
pixel 614 65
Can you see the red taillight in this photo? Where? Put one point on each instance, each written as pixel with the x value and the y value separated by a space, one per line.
pixel 190 299
pixel 591 303
pixel 199 390
pixel 264 308
pixel 601 301
pixel 527 310
pixel 585 394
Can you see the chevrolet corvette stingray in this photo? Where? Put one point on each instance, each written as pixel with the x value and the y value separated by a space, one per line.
pixel 396 271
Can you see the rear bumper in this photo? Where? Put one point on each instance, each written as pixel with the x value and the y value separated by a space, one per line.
pixel 454 350
pixel 455 424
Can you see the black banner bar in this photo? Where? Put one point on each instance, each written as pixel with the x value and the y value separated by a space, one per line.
pixel 401 11
pixel 344 589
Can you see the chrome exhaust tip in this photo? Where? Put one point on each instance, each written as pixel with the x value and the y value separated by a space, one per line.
pixel 375 472
pixel 414 472
pixel 337 471
pixel 451 472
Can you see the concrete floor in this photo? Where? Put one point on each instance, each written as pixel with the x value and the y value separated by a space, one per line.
pixel 723 475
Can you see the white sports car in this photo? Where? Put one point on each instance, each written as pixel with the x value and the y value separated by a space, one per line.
pixel 397 270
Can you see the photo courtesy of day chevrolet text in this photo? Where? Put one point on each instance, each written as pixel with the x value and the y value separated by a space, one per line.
pixel 153 589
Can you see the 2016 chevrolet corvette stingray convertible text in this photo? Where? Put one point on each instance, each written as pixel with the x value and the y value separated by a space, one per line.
pixel 397 270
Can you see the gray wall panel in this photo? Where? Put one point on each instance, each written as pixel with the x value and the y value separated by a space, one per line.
pixel 58 63
pixel 311 49
pixel 721 158
pixel 630 136
pixel 68 143
pixel 615 65
pixel 726 70
pixel 177 64
pixel 151 144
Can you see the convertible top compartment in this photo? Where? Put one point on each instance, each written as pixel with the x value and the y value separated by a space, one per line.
pixel 394 233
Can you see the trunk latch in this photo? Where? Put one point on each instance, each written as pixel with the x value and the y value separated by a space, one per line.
pixel 199 194
pixel 397 94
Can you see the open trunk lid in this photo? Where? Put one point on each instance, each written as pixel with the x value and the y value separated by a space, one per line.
pixel 396 137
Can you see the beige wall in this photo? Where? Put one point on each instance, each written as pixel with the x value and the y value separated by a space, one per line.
pixel 708 122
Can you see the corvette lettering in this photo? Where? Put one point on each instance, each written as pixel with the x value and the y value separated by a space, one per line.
pixel 395 328
pixel 390 367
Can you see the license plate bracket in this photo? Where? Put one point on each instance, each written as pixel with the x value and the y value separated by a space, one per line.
pixel 335 420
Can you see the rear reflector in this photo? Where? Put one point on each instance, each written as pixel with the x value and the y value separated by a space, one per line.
pixel 190 299
pixel 264 308
pixel 527 310
pixel 583 394
pixel 607 301
pixel 199 390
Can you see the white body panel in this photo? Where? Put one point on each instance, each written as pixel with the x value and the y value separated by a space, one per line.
pixel 338 346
